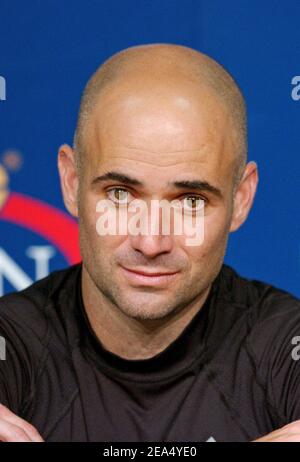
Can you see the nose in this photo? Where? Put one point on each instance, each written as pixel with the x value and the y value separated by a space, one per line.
pixel 151 245
pixel 155 238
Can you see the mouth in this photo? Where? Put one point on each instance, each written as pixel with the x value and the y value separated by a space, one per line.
pixel 149 278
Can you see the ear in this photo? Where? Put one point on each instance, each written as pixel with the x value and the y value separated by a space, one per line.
pixel 244 196
pixel 68 178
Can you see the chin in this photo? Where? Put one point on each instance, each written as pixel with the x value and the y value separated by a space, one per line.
pixel 141 313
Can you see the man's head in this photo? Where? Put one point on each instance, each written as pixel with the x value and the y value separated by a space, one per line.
pixel 159 116
pixel 162 61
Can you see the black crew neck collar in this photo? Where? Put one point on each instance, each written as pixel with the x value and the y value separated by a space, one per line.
pixel 173 360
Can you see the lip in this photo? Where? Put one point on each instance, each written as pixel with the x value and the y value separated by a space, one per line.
pixel 148 278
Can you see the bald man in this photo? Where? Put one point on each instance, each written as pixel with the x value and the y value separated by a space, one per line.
pixel 150 338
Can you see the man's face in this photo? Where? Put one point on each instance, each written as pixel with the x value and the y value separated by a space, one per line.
pixel 173 133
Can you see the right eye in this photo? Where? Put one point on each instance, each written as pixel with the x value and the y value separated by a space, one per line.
pixel 119 195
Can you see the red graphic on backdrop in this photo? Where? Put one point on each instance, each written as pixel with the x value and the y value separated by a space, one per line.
pixel 49 222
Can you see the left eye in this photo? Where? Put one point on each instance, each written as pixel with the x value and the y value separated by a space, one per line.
pixel 193 203
pixel 118 195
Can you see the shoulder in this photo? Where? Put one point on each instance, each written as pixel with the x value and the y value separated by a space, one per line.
pixel 272 314
pixel 26 312
pixel 265 320
pixel 262 300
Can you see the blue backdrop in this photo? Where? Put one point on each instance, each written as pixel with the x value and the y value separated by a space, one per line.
pixel 48 50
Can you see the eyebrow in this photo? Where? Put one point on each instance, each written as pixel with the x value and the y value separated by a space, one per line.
pixel 184 184
pixel 198 185
pixel 116 176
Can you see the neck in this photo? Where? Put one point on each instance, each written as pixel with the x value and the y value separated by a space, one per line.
pixel 132 338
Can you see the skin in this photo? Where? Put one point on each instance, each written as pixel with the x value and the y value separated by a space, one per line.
pixel 15 429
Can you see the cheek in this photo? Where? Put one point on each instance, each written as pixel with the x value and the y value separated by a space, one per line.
pixel 215 239
pixel 89 239
pixel 88 218
pixel 99 244
pixel 216 228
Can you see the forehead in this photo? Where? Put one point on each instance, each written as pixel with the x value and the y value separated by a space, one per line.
pixel 166 129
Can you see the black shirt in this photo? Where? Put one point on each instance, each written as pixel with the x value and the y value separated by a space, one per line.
pixel 229 376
